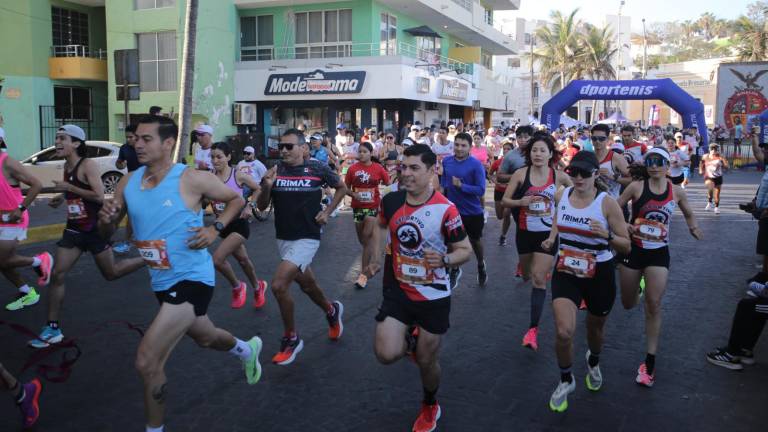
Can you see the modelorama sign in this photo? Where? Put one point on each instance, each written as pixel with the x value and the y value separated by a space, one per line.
pixel 453 89
pixel 315 82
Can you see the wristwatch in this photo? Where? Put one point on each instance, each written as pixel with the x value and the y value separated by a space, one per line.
pixel 218 226
pixel 446 261
pixel 22 208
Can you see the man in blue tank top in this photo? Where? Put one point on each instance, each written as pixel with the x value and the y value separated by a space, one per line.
pixel 163 201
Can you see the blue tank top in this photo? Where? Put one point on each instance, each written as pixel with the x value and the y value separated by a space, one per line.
pixel 161 223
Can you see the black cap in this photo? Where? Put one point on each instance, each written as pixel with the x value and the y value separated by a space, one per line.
pixel 585 160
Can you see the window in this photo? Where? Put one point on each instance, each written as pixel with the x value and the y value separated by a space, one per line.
pixel 324 34
pixel 95 151
pixel 48 156
pixel 157 61
pixel 152 4
pixel 513 62
pixel 388 30
pixel 535 89
pixel 488 16
pixel 72 103
pixel 69 27
pixel 527 38
pixel 486 60
pixel 256 38
pixel 428 48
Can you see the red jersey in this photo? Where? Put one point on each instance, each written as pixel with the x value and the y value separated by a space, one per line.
pixel 499 187
pixel 365 181
pixel 634 152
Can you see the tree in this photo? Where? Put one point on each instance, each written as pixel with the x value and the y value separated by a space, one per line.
pixel 560 46
pixel 187 80
pixel 705 22
pixel 751 39
pixel 597 52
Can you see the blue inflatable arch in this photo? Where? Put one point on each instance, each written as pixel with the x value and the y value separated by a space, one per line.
pixel 665 90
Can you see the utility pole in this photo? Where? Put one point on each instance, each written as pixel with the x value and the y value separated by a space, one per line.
pixel 187 80
pixel 621 48
pixel 645 68
pixel 533 84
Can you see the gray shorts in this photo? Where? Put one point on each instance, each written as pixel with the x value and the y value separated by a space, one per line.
pixel 299 252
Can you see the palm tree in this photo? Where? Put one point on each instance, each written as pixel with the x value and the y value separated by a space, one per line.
pixel 751 40
pixel 560 46
pixel 706 21
pixel 597 55
pixel 187 80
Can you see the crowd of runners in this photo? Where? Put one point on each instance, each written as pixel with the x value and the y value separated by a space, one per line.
pixel 591 210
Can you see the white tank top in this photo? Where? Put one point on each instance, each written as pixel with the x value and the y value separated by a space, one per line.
pixel 574 230
pixel 614 187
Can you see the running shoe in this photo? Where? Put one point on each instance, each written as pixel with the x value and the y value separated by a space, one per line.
pixel 121 247
pixel 335 322
pixel 362 281
pixel 502 241
pixel 289 348
pixel 756 289
pixel 259 294
pixel 44 269
pixel 455 275
pixel 239 295
pixel 411 341
pixel 47 337
pixel 643 377
pixel 721 357
pixel 559 400
pixel 583 305
pixel 717 210
pixel 252 365
pixel 30 405
pixel 427 419
pixel 747 357
pixel 708 207
pixel 485 216
pixel 530 340
pixel 594 377
pixel 482 275
pixel 23 300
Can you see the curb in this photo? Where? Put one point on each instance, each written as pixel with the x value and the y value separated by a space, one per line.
pixel 45 233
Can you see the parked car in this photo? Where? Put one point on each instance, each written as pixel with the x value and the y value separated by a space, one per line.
pixel 47 167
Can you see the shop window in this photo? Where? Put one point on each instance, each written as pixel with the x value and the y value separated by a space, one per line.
pixel 72 103
pixel 157 61
pixel 388 31
pixel 69 27
pixel 152 4
pixel 256 38
pixel 324 34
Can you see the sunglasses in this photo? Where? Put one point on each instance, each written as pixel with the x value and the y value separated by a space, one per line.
pixel 599 138
pixel 390 137
pixel 655 162
pixel 574 171
pixel 285 146
pixel 247 153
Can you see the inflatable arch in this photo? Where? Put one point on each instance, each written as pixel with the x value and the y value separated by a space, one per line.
pixel 691 110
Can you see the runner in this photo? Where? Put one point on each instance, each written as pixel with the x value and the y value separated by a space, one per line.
pixel 14 220
pixel 653 202
pixel 236 232
pixel 531 194
pixel 590 226
pixel 633 150
pixel 685 148
pixel 252 167
pixel 463 183
pixel 363 180
pixel 502 213
pixel 83 193
pixel 679 161
pixel 127 159
pixel 164 201
pixel 26 395
pixel 425 235
pixel 614 169
pixel 294 186
pixel 711 167
pixel 203 152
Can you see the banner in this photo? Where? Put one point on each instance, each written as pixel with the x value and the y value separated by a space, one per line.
pixel 316 82
pixel 674 118
pixel 653 116
pixel 741 89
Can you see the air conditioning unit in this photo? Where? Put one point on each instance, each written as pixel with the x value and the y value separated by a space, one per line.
pixel 244 114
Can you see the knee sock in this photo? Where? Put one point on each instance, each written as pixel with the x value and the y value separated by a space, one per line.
pixel 241 349
pixel 650 363
pixel 429 396
pixel 537 305
pixel 594 359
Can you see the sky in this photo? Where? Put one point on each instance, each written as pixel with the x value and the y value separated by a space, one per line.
pixel 652 10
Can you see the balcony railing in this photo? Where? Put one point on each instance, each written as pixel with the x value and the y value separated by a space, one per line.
pixel 342 50
pixel 78 51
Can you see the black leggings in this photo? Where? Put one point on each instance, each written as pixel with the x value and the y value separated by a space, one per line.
pixel 748 323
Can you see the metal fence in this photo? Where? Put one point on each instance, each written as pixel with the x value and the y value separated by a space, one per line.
pixel 78 51
pixel 93 120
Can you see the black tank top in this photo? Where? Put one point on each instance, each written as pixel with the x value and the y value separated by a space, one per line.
pixel 82 215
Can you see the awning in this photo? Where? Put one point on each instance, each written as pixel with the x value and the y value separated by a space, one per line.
pixel 422 31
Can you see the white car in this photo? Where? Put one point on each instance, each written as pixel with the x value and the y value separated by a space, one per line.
pixel 47 167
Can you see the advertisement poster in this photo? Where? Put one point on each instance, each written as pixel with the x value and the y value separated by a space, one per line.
pixel 741 91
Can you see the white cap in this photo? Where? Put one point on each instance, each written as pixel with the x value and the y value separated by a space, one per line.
pixel 204 128
pixel 415 128
pixel 618 145
pixel 407 142
pixel 2 133
pixel 249 149
pixel 658 151
pixel 73 131
pixel 316 136
pixel 618 139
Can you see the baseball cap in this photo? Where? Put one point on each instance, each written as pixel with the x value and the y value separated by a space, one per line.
pixel 407 142
pixel 451 126
pixel 249 149
pixel 658 151
pixel 617 139
pixel 618 145
pixel 73 131
pixel 204 128
pixel 341 126
pixel 316 136
pixel 585 160
pixel 415 128
pixel 678 134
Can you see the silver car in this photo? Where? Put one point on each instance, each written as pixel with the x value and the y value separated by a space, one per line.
pixel 47 167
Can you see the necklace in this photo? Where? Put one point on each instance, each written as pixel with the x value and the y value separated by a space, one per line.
pixel 145 180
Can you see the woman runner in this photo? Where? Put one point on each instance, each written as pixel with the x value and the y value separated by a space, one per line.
pixel 711 167
pixel 502 213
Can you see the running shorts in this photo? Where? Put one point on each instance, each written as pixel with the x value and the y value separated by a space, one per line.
pixel 598 292
pixel 237 226
pixel 431 315
pixel 528 242
pixel 718 181
pixel 640 258
pixel 677 180
pixel 359 214
pixel 298 252
pixel 195 293
pixel 498 195
pixel 762 236
pixel 473 224
pixel 85 241
pixel 13 233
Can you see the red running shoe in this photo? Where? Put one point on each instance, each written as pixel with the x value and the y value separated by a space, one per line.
pixel 529 340
pixel 643 377
pixel 427 419
pixel 259 294
pixel 44 269
pixel 239 296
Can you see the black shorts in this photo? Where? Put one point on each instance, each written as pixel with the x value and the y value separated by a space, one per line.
pixel 195 293
pixel 498 195
pixel 432 315
pixel 718 181
pixel 238 226
pixel 528 242
pixel 85 241
pixel 762 237
pixel 473 225
pixel 677 180
pixel 640 258
pixel 598 292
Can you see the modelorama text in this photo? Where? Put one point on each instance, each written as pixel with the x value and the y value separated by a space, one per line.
pixel 317 82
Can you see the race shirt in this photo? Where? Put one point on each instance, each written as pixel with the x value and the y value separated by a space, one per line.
pixel 82 214
pixel 296 194
pixel 580 250
pixel 411 230
pixel 498 186
pixel 443 151
pixel 634 152
pixel 480 153
pixel 537 216
pixel 10 199
pixel 677 160
pixel 350 150
pixel 713 167
pixel 614 187
pixel 653 214
pixel 365 180
pixel 254 168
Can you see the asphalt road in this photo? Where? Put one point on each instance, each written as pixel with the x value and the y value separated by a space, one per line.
pixel 489 381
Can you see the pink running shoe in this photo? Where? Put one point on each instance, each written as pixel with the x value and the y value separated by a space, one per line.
pixel 643 378
pixel 239 296
pixel 529 340
pixel 45 268
pixel 259 294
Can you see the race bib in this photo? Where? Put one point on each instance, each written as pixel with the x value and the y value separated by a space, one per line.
pixel 365 195
pixel 5 217
pixel 76 209
pixel 413 271
pixel 577 263
pixel 540 206
pixel 650 230
pixel 218 207
pixel 154 253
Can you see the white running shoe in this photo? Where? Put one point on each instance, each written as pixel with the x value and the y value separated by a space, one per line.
pixel 708 207
pixel 559 400
pixel 717 210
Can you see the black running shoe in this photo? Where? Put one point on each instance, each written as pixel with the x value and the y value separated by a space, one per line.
pixel 721 357
pixel 455 276
pixel 482 275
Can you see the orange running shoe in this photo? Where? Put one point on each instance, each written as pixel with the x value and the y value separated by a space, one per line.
pixel 643 377
pixel 335 323
pixel 44 269
pixel 427 419
pixel 30 405
pixel 289 348
pixel 239 295
pixel 529 340
pixel 259 294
